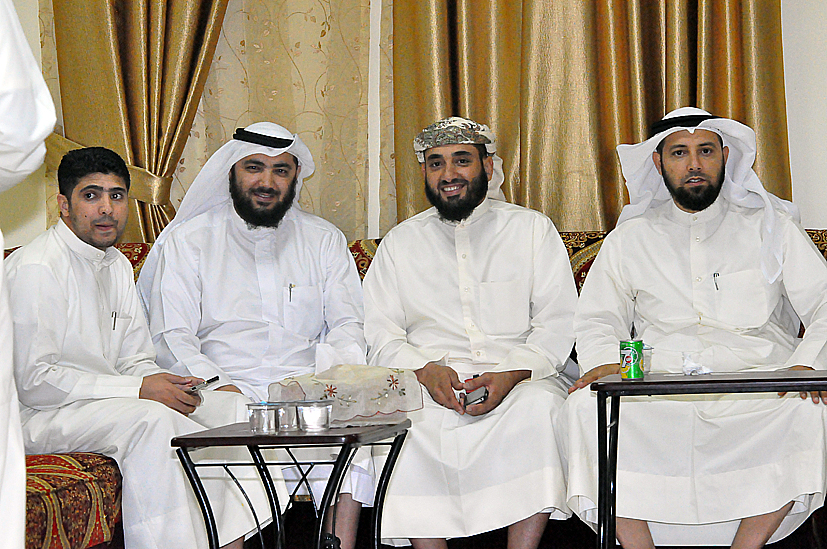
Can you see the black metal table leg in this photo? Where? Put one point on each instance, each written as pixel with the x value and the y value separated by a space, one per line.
pixel 200 495
pixel 614 424
pixel 334 483
pixel 607 441
pixel 382 487
pixel 602 473
pixel 272 496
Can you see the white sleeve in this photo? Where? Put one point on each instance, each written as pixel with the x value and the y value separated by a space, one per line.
pixel 137 353
pixel 27 114
pixel 175 313
pixel 605 310
pixel 343 308
pixel 804 274
pixel 553 300
pixel 385 325
pixel 42 322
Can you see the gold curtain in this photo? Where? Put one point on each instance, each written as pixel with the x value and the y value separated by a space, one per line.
pixel 303 64
pixel 131 75
pixel 563 83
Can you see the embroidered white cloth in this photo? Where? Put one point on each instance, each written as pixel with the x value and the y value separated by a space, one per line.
pixel 361 395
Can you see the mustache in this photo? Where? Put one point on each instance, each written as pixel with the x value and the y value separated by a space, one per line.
pixel 105 219
pixel 265 190
pixel 455 181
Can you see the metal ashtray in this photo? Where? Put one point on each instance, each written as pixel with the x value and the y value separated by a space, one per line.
pixel 314 415
pixel 262 417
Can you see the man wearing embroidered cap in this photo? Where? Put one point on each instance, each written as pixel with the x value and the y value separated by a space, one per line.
pixel 474 286
pixel 714 273
pixel 246 286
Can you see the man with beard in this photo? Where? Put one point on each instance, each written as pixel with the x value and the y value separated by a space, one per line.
pixel 475 295
pixel 246 286
pixel 84 366
pixel 714 273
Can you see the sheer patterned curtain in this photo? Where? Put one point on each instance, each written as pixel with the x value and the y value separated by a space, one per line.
pixel 131 75
pixel 302 64
pixel 563 83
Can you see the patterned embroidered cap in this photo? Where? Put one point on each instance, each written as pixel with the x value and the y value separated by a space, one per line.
pixel 454 131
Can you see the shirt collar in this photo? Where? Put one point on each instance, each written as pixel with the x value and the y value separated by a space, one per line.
pixel 712 213
pixel 96 256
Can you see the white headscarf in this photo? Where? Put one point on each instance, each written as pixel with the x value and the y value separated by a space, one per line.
pixel 741 185
pixel 461 131
pixel 211 188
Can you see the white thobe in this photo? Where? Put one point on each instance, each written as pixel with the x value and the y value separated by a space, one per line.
pixel 81 351
pixel 27 115
pixel 692 285
pixel 492 293
pixel 257 305
pixel 254 306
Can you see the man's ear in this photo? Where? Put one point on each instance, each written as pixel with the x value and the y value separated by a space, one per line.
pixel 488 166
pixel 656 160
pixel 63 206
pixel 726 154
pixel 422 166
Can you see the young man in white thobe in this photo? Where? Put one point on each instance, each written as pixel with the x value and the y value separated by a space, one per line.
pixel 27 116
pixel 474 286
pixel 84 366
pixel 714 273
pixel 246 286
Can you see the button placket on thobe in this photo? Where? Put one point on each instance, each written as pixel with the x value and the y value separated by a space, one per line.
pixel 468 292
pixel 273 294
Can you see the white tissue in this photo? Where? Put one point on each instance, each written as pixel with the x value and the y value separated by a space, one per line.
pixel 691 367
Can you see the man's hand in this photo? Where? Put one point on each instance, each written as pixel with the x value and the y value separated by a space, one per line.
pixel 499 384
pixel 441 382
pixel 230 388
pixel 816 395
pixel 594 374
pixel 169 389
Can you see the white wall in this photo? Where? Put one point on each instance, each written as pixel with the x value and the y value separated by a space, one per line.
pixel 23 208
pixel 805 75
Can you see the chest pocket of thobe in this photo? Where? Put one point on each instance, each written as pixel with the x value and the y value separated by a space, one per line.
pixel 504 307
pixel 744 299
pixel 117 332
pixel 304 310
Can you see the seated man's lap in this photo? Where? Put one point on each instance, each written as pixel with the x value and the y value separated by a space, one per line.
pixel 106 426
pixel 699 459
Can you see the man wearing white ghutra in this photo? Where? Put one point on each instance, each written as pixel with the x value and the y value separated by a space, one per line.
pixel 714 273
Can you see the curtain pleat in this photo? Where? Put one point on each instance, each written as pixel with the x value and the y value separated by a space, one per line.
pixel 131 81
pixel 563 83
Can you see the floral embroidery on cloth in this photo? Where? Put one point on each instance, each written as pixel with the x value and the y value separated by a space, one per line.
pixel 362 395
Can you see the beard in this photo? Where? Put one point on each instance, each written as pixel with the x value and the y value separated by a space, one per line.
pixel 458 208
pixel 257 216
pixel 698 198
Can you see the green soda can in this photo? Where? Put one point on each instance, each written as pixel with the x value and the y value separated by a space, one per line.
pixel 631 359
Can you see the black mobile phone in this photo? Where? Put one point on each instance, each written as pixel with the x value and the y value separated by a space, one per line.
pixel 203 385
